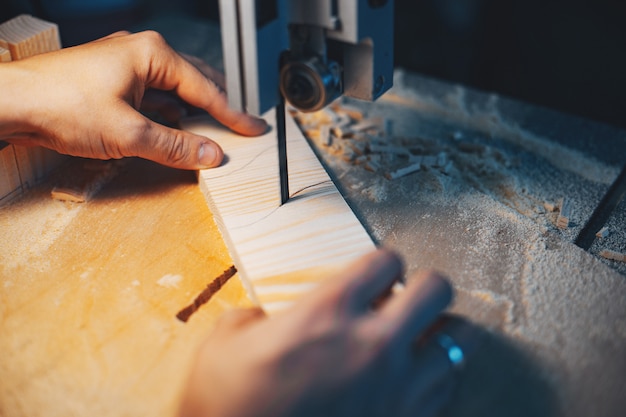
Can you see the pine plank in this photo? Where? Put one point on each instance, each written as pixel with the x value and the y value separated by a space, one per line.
pixel 273 246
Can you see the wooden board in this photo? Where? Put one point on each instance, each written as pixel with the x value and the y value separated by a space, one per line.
pixel 10 183
pixel 275 246
pixel 5 55
pixel 89 294
pixel 23 37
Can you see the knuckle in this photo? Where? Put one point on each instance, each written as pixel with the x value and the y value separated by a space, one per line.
pixel 151 41
pixel 176 149
pixel 134 134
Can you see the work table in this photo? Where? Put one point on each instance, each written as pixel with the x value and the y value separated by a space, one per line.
pixel 103 334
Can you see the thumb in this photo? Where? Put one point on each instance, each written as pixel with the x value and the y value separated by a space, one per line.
pixel 177 149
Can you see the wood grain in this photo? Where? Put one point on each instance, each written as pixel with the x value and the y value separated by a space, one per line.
pixel 25 36
pixel 10 183
pixel 314 229
pixel 89 294
pixel 5 55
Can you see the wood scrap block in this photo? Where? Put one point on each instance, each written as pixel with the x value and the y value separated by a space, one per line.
pixel 341 108
pixel 10 184
pixel 85 181
pixel 368 124
pixel 429 160
pixel 550 206
pixel 602 233
pixel 562 221
pixel 442 159
pixel 388 127
pixel 68 194
pixel 324 135
pixel 372 166
pixel 35 162
pixel 5 55
pixel 314 229
pixel 25 36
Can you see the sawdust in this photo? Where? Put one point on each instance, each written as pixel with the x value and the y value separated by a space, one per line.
pixel 32 223
pixel 170 281
pixel 487 118
pixel 41 222
pixel 490 224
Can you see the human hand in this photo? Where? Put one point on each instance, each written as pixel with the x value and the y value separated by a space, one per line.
pixel 333 353
pixel 83 101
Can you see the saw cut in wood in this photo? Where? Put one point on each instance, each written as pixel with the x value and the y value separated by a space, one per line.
pixel 280 251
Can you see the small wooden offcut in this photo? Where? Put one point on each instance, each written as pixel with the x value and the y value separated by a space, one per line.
pixel 21 167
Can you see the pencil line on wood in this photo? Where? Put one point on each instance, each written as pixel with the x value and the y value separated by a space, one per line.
pixel 234 171
pixel 204 297
pixel 243 226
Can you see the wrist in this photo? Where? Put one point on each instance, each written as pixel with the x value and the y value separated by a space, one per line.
pixel 15 110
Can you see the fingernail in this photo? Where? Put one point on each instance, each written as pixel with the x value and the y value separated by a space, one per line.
pixel 209 155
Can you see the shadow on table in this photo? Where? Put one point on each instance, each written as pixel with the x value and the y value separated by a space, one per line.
pixel 501 380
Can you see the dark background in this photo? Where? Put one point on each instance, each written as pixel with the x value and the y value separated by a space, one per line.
pixel 569 55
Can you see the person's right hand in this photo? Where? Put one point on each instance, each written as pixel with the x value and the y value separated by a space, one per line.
pixel 333 353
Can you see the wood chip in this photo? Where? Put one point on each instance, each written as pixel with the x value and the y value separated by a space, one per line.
pixel 403 171
pixel 389 127
pixel 549 206
pixel 368 124
pixel 353 113
pixel 67 194
pixel 429 161
pixel 612 255
pixel 372 166
pixel 324 135
pixel 562 222
pixel 442 159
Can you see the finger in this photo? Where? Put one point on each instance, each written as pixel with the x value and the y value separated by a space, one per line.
pixel 412 310
pixel 170 71
pixel 435 361
pixel 174 148
pixel 207 70
pixel 374 274
pixel 361 284
pixel 466 334
pixel 432 368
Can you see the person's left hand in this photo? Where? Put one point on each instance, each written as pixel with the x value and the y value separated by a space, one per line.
pixel 83 101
